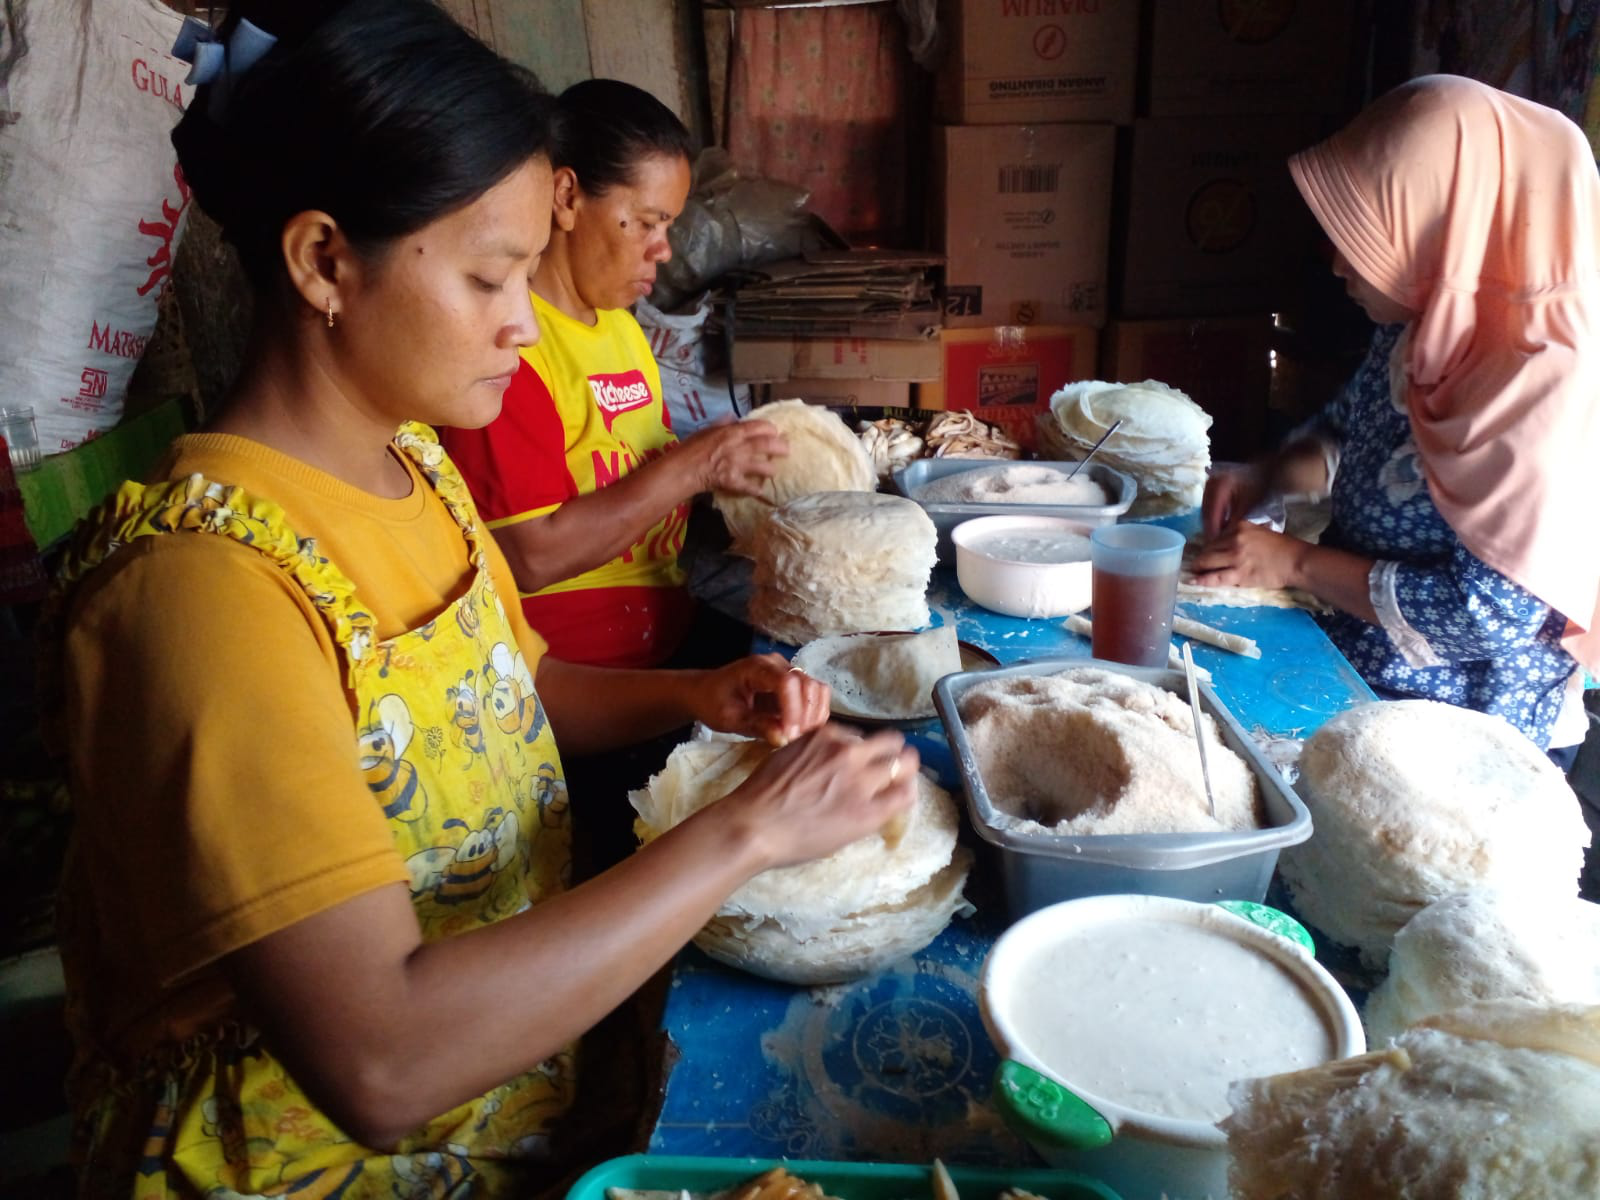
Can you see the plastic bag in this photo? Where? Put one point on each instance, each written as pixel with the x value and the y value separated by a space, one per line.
pixel 729 222
pixel 694 387
pixel 91 204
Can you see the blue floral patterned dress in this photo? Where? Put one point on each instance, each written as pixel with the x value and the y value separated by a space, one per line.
pixel 1453 628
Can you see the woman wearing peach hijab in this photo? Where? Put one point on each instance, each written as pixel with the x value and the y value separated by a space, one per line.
pixel 1462 456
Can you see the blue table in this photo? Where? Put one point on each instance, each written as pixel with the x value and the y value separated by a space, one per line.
pixel 897 1067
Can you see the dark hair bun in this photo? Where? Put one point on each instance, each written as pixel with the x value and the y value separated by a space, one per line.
pixel 385 114
pixel 608 127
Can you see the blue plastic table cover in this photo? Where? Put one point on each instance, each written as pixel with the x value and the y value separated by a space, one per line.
pixel 897 1067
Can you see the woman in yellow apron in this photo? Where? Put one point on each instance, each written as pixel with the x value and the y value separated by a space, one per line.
pixel 314 916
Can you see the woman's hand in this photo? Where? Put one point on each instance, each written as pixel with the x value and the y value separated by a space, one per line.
pixel 1230 494
pixel 761 696
pixel 737 457
pixel 823 792
pixel 1250 556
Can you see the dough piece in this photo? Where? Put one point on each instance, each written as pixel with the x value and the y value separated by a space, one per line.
pixel 1487 944
pixel 1235 643
pixel 824 456
pixel 1497 1102
pixel 1162 438
pixel 828 920
pixel 1014 483
pixel 852 947
pixel 890 443
pixel 959 434
pixel 1572 1029
pixel 883 678
pixel 1083 627
pixel 842 562
pixel 1414 800
pixel 1090 751
pixel 1190 592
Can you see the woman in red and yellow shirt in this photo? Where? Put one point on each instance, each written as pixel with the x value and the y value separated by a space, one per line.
pixel 581 478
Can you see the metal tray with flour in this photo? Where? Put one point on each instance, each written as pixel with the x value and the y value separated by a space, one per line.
pixel 909 479
pixel 1042 868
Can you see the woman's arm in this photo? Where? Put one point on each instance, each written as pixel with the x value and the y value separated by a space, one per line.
pixel 594 528
pixel 1299 468
pixel 601 708
pixel 1250 556
pixel 1305 464
pixel 386 1032
pixel 1461 610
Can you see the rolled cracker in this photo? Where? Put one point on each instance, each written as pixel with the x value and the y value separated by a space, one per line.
pixel 1212 636
pixel 1083 627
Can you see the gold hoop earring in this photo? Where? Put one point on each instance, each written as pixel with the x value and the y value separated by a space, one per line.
pixel 330 312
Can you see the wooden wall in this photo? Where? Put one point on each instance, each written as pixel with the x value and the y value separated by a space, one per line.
pixel 653 44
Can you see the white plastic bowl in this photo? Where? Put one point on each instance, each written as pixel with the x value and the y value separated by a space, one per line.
pixel 1022 589
pixel 1149 1154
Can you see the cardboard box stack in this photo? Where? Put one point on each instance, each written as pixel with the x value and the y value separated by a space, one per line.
pixel 1030 95
pixel 864 372
pixel 837 327
pixel 1212 237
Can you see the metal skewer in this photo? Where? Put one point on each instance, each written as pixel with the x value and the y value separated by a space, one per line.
pixel 1110 429
pixel 1199 729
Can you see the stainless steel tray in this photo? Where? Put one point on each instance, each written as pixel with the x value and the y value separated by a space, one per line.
pixel 1119 486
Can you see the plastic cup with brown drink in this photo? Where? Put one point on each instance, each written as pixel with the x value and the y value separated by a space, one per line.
pixel 1135 586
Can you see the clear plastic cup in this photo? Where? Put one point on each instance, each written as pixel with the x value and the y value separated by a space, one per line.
pixel 21 436
pixel 1135 586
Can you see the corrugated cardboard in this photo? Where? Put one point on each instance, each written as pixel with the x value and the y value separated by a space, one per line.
pixel 861 393
pixel 1024 220
pixel 1211 57
pixel 1007 374
pixel 1224 364
pixel 868 293
pixel 1012 61
pixel 764 360
pixel 1214 224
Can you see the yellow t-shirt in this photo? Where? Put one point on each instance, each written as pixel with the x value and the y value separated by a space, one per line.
pixel 243 731
pixel 585 408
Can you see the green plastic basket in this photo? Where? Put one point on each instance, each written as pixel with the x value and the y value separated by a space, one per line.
pixel 847 1180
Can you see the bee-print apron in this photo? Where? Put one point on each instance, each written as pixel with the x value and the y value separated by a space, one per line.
pixel 455 747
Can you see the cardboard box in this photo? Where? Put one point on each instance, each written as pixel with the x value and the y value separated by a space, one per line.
pixel 1007 374
pixel 1024 220
pixel 765 360
pixel 1214 225
pixel 860 393
pixel 1225 365
pixel 1210 57
pixel 1011 61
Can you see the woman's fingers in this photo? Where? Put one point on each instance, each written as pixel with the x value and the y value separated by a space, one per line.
pixel 828 789
pixel 802 704
pixel 745 456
